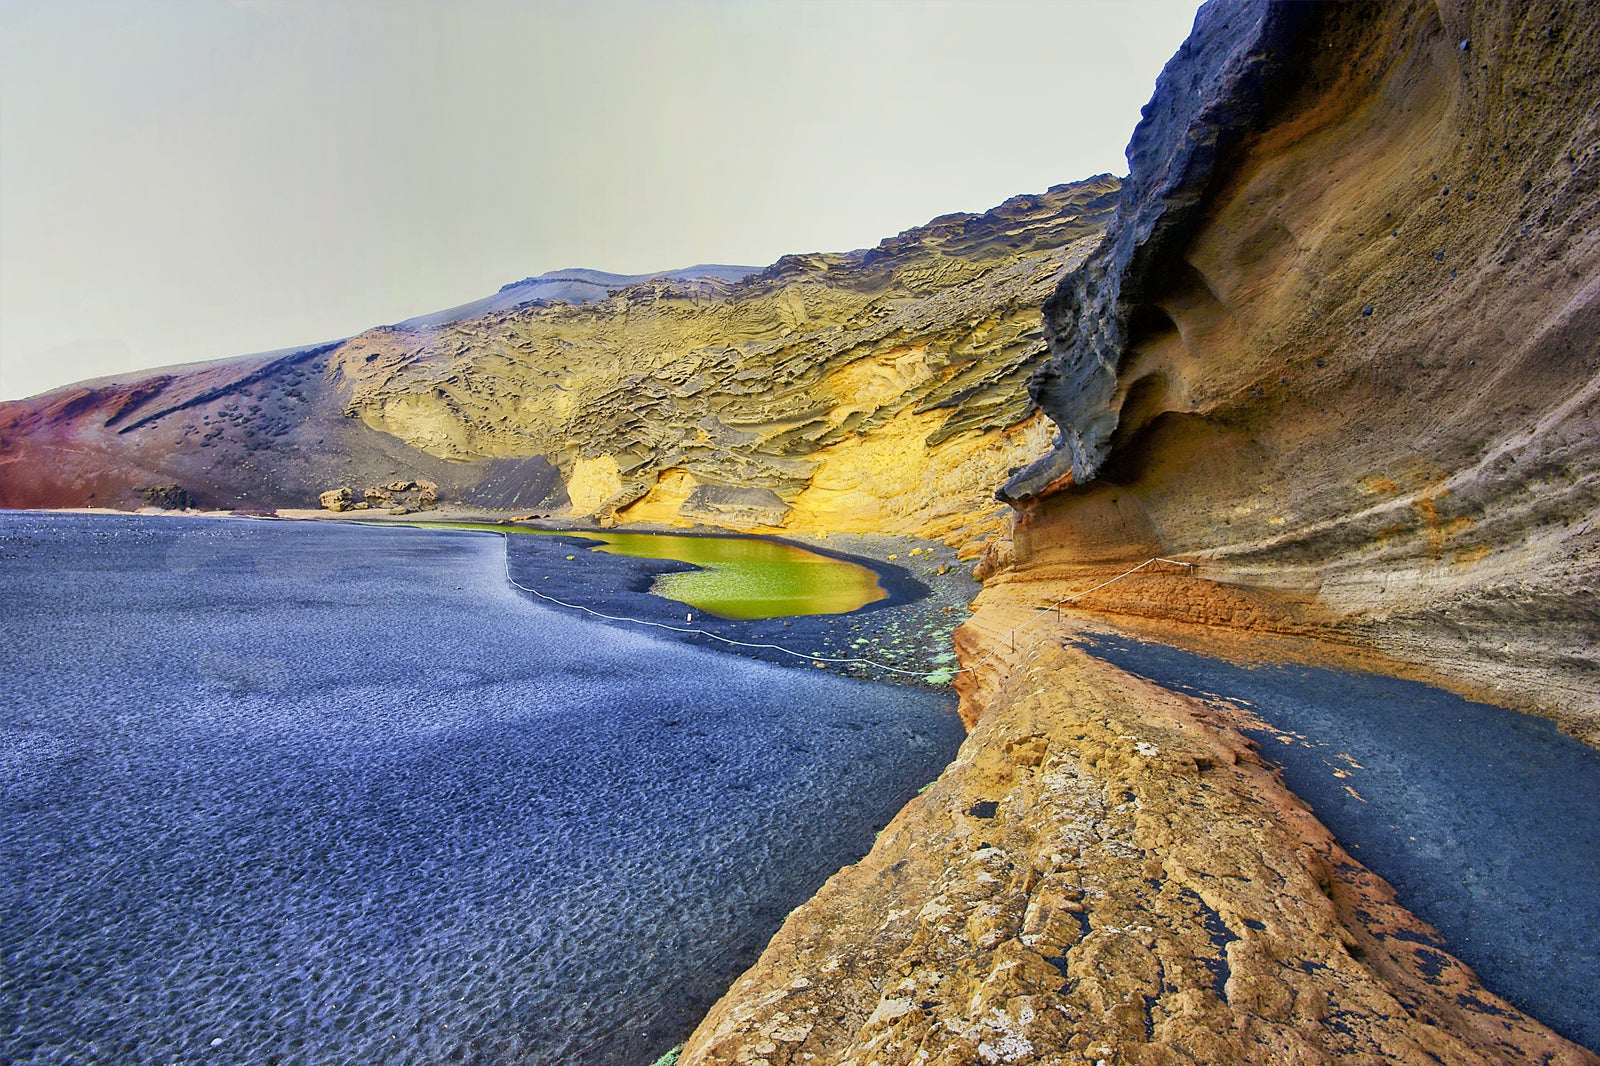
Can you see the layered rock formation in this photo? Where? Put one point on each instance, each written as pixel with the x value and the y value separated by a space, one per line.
pixel 1338 350
pixel 879 389
pixel 869 390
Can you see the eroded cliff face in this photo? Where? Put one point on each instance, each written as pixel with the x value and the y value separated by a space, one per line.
pixel 1337 349
pixel 1340 347
pixel 873 390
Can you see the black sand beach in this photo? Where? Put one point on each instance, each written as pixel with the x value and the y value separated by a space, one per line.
pixel 1486 821
pixel 321 793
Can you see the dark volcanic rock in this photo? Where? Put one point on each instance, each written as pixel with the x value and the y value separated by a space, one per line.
pixel 166 497
pixel 1338 346
pixel 1234 67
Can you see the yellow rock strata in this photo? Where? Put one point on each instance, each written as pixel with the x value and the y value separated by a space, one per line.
pixel 881 389
pixel 593 482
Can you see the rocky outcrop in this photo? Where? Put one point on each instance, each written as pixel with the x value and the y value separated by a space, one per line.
pixel 1108 873
pixel 1338 347
pixel 397 497
pixel 339 499
pixel 166 497
pixel 1231 71
pixel 871 390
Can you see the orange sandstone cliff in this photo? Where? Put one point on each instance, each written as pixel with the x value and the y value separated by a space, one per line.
pixel 1341 352
pixel 1338 350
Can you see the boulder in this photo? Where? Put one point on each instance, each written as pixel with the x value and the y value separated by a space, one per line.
pixel 166 497
pixel 338 499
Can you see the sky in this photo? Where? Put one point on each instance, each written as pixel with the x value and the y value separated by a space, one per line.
pixel 189 179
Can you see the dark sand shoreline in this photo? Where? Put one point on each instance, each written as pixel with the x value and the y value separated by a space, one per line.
pixel 911 629
pixel 375 714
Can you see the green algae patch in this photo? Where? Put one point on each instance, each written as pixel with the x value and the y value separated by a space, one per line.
pixel 738 578
pixel 748 578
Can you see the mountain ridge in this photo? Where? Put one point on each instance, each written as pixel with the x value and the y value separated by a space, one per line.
pixel 573 285
pixel 800 395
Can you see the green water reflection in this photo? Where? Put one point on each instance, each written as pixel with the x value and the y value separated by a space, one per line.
pixel 741 578
pixel 748 577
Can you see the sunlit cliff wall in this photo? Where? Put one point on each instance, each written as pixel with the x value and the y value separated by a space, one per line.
pixel 1340 347
pixel 876 389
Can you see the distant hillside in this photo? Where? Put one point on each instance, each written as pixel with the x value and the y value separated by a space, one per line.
pixel 876 388
pixel 575 285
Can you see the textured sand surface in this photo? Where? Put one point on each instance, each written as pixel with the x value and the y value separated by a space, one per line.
pixel 310 793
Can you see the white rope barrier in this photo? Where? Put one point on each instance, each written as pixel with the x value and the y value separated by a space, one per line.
pixel 691 631
pixel 695 631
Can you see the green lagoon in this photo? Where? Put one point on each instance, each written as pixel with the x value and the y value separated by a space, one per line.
pixel 739 578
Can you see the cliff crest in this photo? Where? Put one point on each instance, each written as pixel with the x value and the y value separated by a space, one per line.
pixel 1337 346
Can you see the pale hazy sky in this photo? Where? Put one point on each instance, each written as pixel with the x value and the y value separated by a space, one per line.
pixel 188 179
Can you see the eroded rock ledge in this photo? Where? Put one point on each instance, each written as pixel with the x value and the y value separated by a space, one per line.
pixel 1339 345
pixel 1338 349
pixel 1107 873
